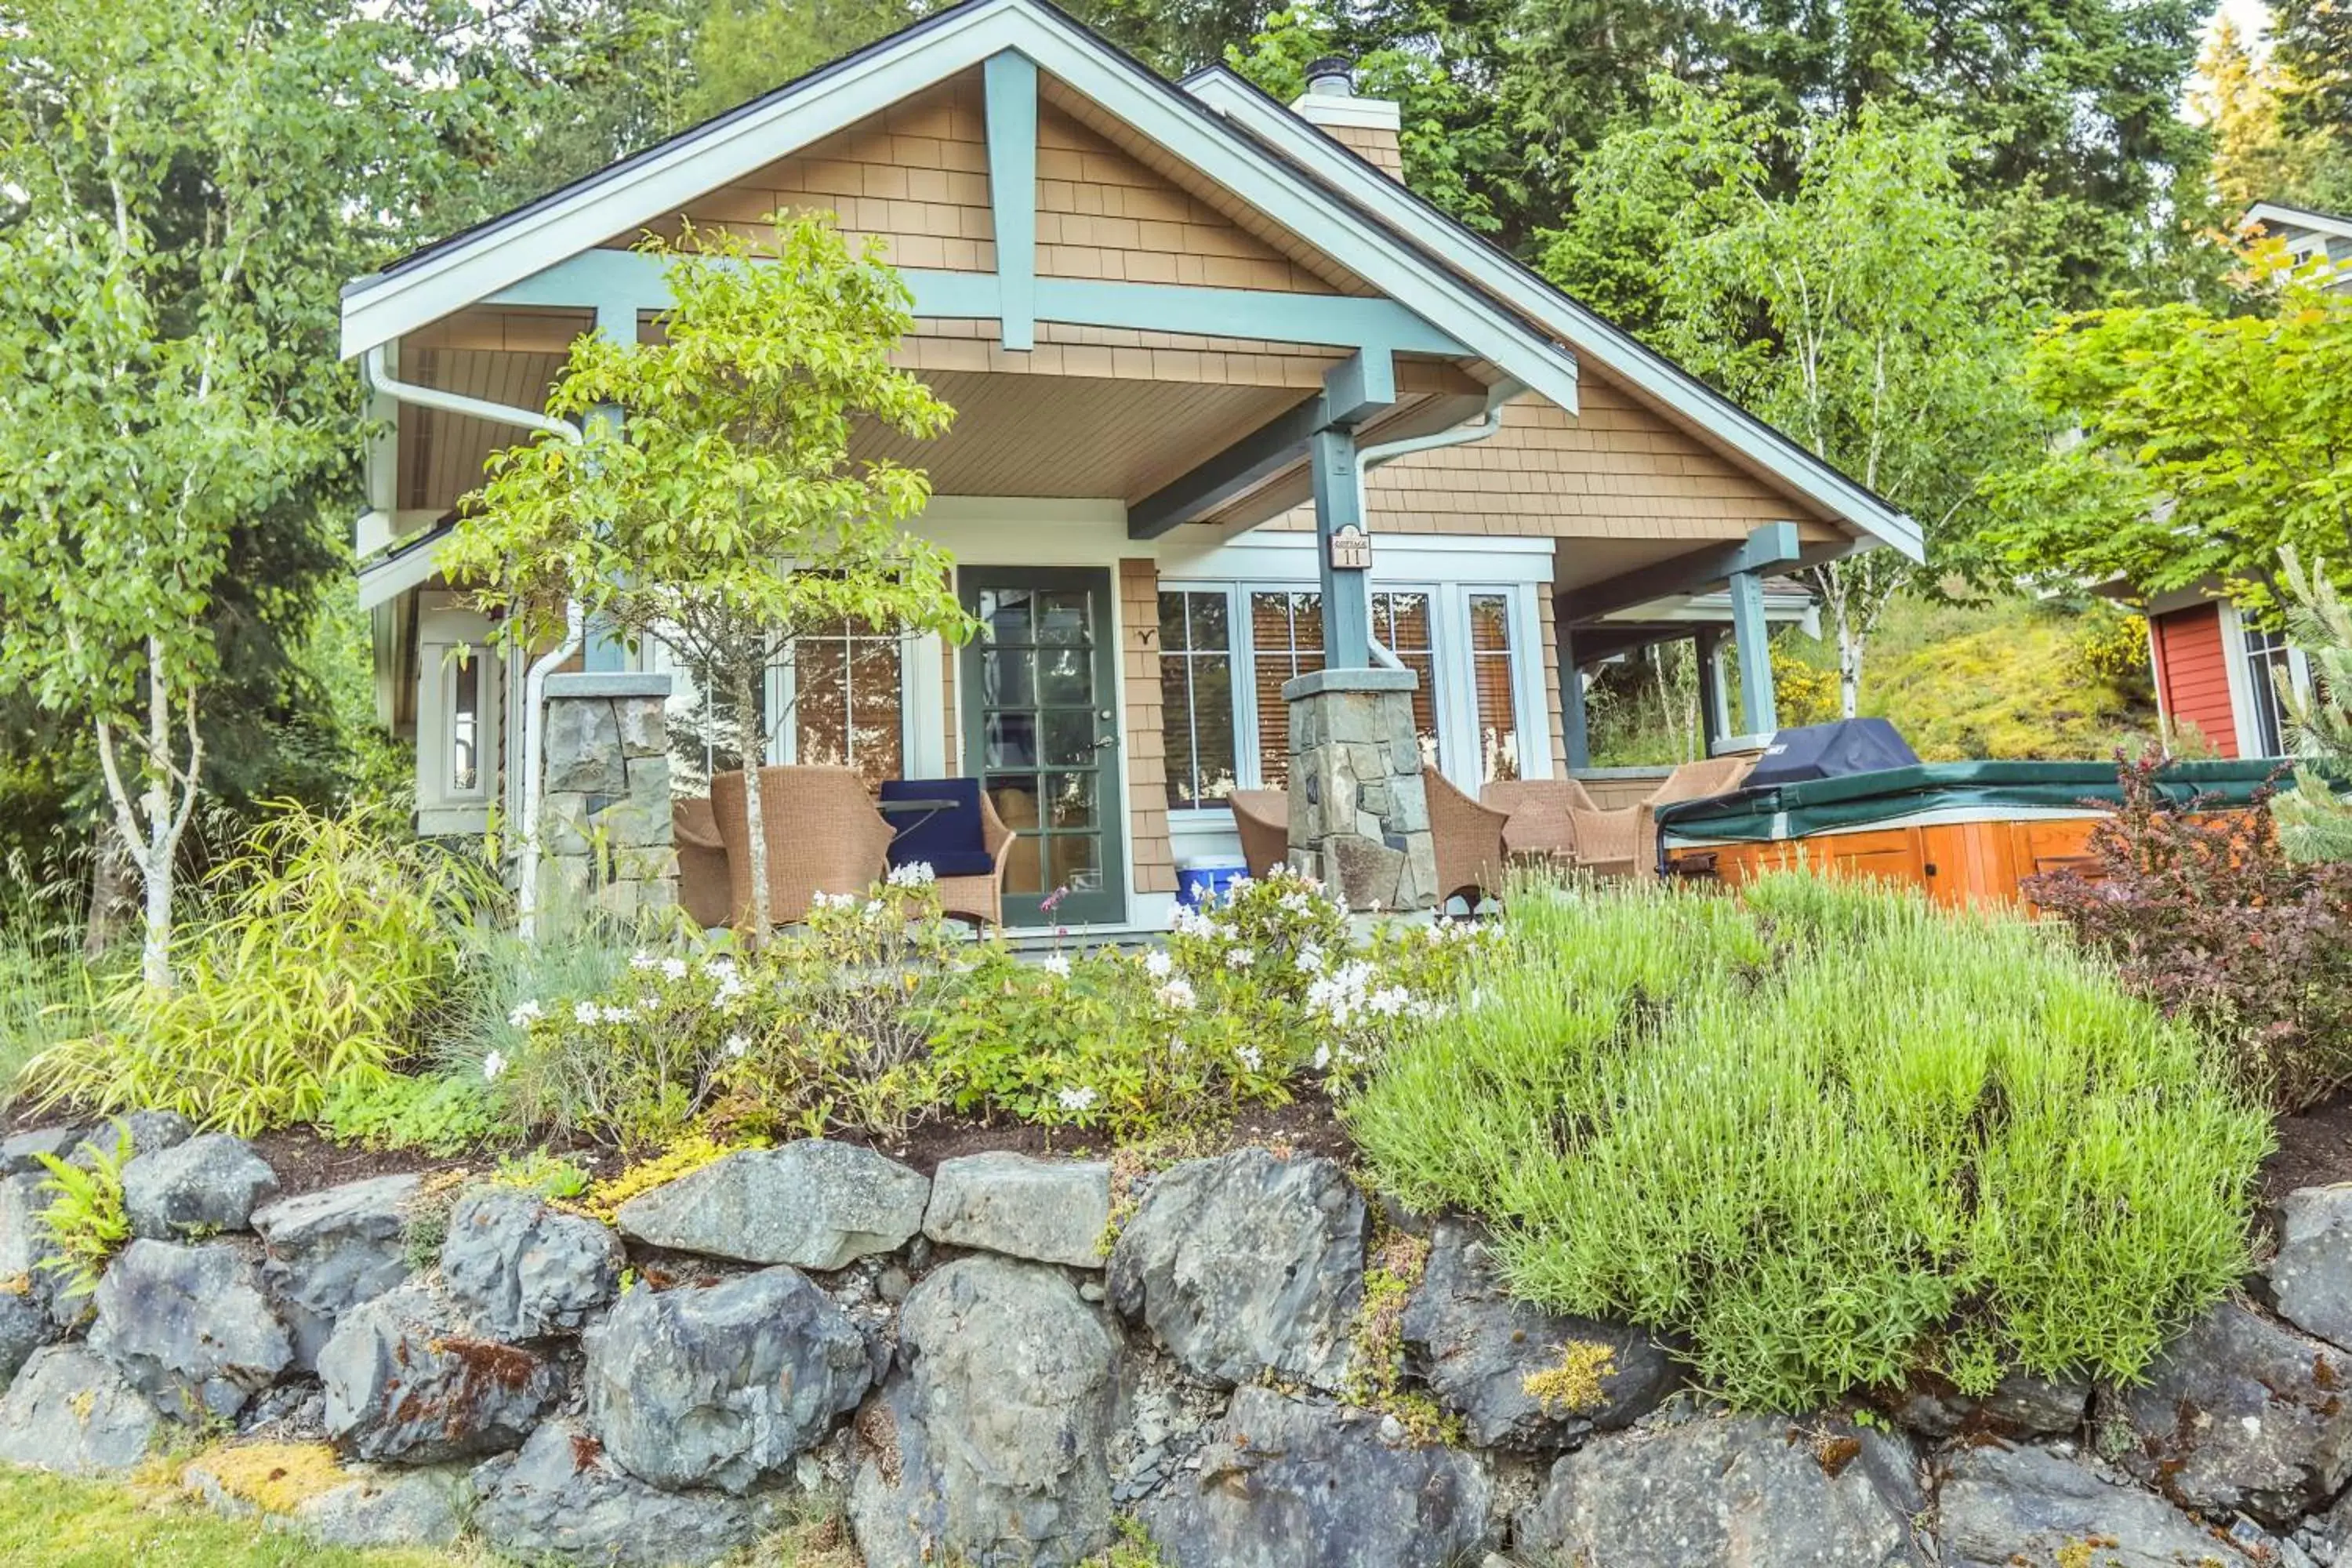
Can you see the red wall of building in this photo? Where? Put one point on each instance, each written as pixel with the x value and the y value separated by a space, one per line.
pixel 2192 675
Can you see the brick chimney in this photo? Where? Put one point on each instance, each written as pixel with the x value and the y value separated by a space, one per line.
pixel 1365 126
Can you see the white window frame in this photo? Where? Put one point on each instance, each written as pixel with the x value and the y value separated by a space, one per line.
pixel 2244 668
pixel 444 633
pixel 1456 696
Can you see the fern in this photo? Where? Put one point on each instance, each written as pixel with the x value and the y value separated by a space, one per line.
pixel 85 1222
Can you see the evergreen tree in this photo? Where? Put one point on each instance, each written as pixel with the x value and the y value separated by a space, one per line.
pixel 2315 821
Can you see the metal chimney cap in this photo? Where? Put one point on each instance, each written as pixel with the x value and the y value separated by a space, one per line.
pixel 1333 76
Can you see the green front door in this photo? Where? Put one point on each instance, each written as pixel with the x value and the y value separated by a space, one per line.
pixel 1041 733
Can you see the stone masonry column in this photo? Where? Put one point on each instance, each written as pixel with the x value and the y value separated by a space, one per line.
pixel 1359 809
pixel 604 808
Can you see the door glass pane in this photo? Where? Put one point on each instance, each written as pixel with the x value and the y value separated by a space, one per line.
pixel 1008 678
pixel 1011 740
pixel 1004 614
pixel 1062 617
pixel 1065 675
pixel 1015 800
pixel 1069 737
pixel 1077 863
pixel 1072 799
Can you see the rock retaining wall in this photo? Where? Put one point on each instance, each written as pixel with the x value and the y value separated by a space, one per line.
pixel 981 1374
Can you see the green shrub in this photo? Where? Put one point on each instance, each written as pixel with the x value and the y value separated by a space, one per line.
pixel 1248 997
pixel 434 1113
pixel 1834 1136
pixel 821 1027
pixel 328 944
pixel 84 1220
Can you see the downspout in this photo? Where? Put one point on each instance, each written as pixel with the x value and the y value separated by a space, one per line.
pixel 534 686
pixel 1370 458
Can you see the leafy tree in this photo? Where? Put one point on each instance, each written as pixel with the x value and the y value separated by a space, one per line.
pixel 2315 822
pixel 2256 156
pixel 2311 40
pixel 731 466
pixel 1864 312
pixel 191 180
pixel 2204 443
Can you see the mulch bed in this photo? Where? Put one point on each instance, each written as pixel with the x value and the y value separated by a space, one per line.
pixel 2315 1150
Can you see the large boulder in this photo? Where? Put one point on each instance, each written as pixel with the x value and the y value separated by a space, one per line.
pixel 2019 1405
pixel 24 1328
pixel 1290 1484
pixel 989 1446
pixel 210 1183
pixel 562 1501
pixel 1746 1491
pixel 2241 1411
pixel 1477 1349
pixel 718 1385
pixel 2000 1506
pixel 2311 1274
pixel 1246 1265
pixel 190 1327
pixel 814 1204
pixel 74 1411
pixel 525 1269
pixel 410 1378
pixel 20 1154
pixel 331 1250
pixel 1051 1211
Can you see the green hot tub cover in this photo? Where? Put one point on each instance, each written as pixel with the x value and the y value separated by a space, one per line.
pixel 1865 800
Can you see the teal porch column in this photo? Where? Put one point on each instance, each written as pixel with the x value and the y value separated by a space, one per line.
pixel 1759 713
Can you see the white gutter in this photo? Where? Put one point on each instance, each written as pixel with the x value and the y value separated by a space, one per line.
pixel 1463 435
pixel 534 686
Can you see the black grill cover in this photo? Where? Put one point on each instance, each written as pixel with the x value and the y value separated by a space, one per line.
pixel 1829 751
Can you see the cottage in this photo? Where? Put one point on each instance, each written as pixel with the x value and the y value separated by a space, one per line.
pixel 1235 407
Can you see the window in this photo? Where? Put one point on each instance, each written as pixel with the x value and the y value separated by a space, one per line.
pixel 1196 696
pixel 1287 642
pixel 2269 666
pixel 1491 683
pixel 848 706
pixel 462 764
pixel 1401 623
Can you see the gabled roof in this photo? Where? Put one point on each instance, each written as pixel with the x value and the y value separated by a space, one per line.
pixel 2310 220
pixel 471 266
pixel 1496 271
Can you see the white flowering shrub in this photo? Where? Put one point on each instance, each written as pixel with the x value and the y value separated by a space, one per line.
pixel 822 1027
pixel 1249 995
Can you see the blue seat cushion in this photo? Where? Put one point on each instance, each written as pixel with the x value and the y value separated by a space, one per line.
pixel 949 840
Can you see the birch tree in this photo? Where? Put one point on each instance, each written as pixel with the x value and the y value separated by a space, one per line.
pixel 1865 312
pixel 723 515
pixel 181 183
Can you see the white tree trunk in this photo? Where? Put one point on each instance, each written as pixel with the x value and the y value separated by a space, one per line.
pixel 151 824
pixel 751 737
pixel 155 944
pixel 1852 641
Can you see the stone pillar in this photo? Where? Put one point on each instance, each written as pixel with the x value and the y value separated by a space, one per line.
pixel 604 808
pixel 1359 808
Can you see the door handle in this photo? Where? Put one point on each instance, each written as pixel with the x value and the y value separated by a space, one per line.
pixel 1106 743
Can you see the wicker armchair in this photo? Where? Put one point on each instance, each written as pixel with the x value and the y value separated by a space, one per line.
pixel 822 836
pixel 1262 818
pixel 980 897
pixel 1625 842
pixel 1541 814
pixel 1468 840
pixel 702 889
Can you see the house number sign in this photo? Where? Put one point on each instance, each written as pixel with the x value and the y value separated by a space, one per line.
pixel 1351 551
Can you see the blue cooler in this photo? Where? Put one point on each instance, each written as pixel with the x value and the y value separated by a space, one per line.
pixel 1202 882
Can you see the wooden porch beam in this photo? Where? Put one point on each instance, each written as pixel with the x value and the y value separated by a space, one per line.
pixel 1010 84
pixel 612 280
pixel 1352 391
pixel 1769 548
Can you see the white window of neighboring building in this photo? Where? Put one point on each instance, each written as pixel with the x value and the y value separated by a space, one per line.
pixel 2271 663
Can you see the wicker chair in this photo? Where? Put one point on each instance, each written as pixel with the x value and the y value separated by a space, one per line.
pixel 1262 818
pixel 1625 842
pixel 702 889
pixel 1468 840
pixel 966 891
pixel 822 836
pixel 1541 815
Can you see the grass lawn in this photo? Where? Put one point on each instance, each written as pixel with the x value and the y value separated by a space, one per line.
pixel 61 1523
pixel 53 1522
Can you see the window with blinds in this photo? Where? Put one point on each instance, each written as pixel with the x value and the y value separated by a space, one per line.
pixel 1196 696
pixel 1490 675
pixel 849 707
pixel 1287 642
pixel 1403 623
